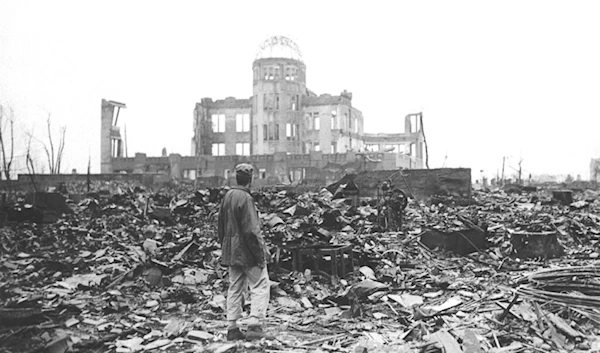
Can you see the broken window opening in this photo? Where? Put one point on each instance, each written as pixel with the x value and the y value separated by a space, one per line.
pixel 333 122
pixel 218 149
pixel 265 132
pixel 227 173
pixel 115 148
pixel 291 131
pixel 270 72
pixel 218 122
pixel 297 174
pixel 316 147
pixel 333 148
pixel 372 148
pixel 276 101
pixel 242 122
pixel 276 132
pixel 269 101
pixel 189 174
pixel 316 121
pixel 356 125
pixel 262 173
pixel 291 73
pixel 242 148
pixel 346 122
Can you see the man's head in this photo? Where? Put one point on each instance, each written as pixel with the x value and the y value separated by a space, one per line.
pixel 243 174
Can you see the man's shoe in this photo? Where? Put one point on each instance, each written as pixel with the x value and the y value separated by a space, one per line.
pixel 257 333
pixel 235 334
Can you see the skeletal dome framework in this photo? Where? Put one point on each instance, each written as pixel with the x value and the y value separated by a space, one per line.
pixel 279 47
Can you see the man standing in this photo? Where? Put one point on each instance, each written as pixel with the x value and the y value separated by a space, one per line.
pixel 244 251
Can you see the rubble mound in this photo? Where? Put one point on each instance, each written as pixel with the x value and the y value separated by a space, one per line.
pixel 128 269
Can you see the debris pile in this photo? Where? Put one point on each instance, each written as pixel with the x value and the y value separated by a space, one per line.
pixel 127 269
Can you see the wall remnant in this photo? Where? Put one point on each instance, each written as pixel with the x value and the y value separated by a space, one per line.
pixel 417 183
pixel 287 131
pixel 111 143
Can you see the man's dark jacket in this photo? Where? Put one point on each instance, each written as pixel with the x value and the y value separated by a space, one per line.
pixel 239 230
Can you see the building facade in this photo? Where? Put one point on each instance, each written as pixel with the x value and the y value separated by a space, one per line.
pixel 287 131
pixel 283 115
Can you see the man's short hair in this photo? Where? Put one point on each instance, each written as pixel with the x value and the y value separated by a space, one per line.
pixel 243 173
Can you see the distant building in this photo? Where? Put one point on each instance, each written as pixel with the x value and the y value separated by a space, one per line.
pixel 283 115
pixel 288 132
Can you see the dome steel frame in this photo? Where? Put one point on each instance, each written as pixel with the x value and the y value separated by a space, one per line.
pixel 279 47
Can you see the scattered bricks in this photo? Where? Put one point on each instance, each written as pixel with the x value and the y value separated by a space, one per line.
pixel 459 242
pixel 530 245
pixel 565 197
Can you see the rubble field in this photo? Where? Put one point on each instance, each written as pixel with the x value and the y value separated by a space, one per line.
pixel 128 269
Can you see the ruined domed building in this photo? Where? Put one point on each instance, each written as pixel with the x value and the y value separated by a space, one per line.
pixel 284 129
pixel 282 115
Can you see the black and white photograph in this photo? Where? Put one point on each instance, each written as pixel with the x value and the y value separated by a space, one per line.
pixel 305 177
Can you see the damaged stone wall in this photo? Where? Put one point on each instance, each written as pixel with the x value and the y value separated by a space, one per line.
pixel 45 181
pixel 422 183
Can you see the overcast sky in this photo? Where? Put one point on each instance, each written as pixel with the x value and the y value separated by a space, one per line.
pixel 519 79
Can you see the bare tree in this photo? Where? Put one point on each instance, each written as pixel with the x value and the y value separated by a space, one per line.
pixel 7 139
pixel 29 162
pixel 53 155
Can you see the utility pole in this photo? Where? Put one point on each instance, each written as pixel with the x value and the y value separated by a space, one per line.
pixel 125 132
pixel 520 170
pixel 503 159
